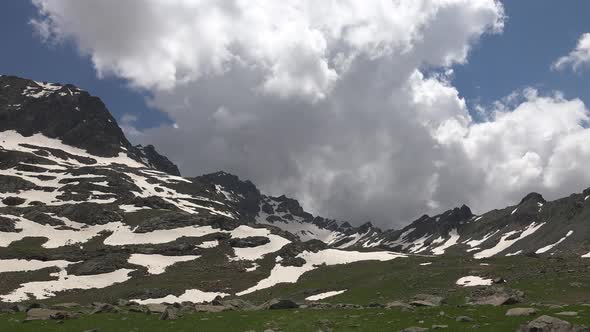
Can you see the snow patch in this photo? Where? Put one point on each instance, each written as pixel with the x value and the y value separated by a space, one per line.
pixel 324 295
pixel 45 289
pixel 290 274
pixel 504 243
pixel 190 295
pixel 551 246
pixel 470 281
pixel 454 237
pixel 157 264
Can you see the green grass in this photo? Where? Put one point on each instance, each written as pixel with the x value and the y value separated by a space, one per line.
pixel 486 318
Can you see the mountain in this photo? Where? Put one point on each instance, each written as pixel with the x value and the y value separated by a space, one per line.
pixel 85 214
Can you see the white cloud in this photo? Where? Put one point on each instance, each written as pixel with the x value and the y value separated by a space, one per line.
pixel 577 58
pixel 295 46
pixel 347 105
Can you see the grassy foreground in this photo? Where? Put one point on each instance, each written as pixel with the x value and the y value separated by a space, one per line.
pixel 485 318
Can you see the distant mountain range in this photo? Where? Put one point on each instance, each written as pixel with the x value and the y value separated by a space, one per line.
pixel 82 208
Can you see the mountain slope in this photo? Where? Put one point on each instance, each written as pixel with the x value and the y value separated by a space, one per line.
pixel 81 208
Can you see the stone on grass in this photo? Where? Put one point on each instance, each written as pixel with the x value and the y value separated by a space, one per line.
pixel 464 319
pixel 156 308
pixel 414 329
pixel 275 304
pixel 45 314
pixel 170 313
pixel 547 324
pixel 521 312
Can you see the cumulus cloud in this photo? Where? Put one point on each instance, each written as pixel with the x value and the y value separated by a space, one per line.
pixel 348 106
pixel 578 58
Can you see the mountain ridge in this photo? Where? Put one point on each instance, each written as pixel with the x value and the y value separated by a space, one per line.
pixel 80 203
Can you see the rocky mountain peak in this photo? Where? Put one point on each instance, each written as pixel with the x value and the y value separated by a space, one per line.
pixel 532 197
pixel 71 115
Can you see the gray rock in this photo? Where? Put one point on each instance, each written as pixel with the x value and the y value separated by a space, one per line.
pixel 521 312
pixel 170 313
pixel 210 308
pixel 325 325
pixel 238 304
pixel 547 324
pixel 398 304
pixel 440 327
pixel 103 308
pixel 567 313
pixel 427 300
pixel 414 329
pixel 495 297
pixel 464 319
pixel 280 304
pixel 45 314
pixel 157 308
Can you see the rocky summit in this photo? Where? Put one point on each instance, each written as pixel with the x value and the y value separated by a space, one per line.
pixel 89 219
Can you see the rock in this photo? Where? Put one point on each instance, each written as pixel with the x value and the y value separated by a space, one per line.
pixel 398 304
pixel 440 327
pixel 210 308
pixel 157 308
pixel 103 308
pixel 582 328
pixel 139 308
pixel 464 319
pixel 414 329
pixel 567 313
pixel 325 325
pixel 13 201
pixel 45 314
pixel 521 312
pixel 280 304
pixel 67 305
pixel 547 324
pixel 427 300
pixel 93 330
pixel 238 304
pixel 249 242
pixel 124 303
pixel 498 280
pixel 170 313
pixel 495 296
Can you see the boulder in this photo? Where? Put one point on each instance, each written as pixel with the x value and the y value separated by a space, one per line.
pixel 45 314
pixel 249 242
pixel 547 324
pixel 521 312
pixel 464 319
pixel 103 308
pixel 567 313
pixel 495 296
pixel 398 304
pixel 427 300
pixel 275 304
pixel 170 313
pixel 13 201
pixel 210 308
pixel 157 308
pixel 414 329
pixel 238 304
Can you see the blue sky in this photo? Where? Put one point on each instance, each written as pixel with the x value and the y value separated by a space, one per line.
pixel 25 55
pixel 536 33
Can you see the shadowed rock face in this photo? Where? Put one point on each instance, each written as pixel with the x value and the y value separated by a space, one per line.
pixel 71 115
